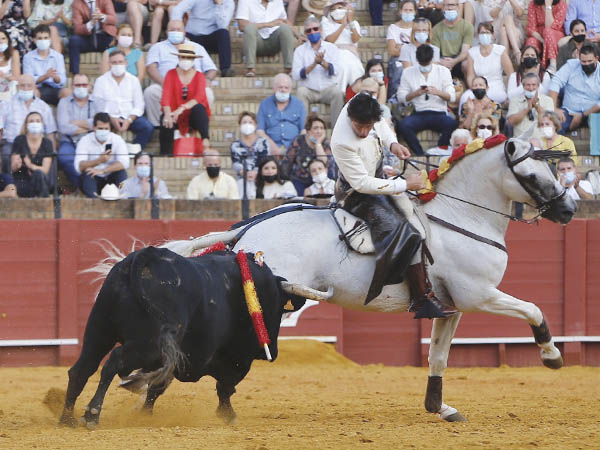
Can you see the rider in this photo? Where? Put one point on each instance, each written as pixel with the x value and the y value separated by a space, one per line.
pixel 357 143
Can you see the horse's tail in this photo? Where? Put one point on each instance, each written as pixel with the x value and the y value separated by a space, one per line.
pixel 191 246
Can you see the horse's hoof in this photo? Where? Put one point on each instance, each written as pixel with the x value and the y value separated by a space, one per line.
pixel 556 363
pixel 456 417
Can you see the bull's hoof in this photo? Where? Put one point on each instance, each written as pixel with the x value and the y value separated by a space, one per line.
pixel 91 418
pixel 68 421
pixel 456 417
pixel 556 363
pixel 228 415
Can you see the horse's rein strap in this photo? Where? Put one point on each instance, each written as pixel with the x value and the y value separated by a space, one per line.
pixel 466 233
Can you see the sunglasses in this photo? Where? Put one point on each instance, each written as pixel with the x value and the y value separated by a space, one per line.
pixel 184 92
pixel 311 30
pixel 483 127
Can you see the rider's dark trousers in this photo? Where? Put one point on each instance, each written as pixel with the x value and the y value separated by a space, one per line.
pixel 396 240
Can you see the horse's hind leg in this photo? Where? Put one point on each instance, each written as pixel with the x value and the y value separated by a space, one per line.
pixel 441 337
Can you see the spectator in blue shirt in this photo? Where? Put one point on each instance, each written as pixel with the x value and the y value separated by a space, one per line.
pixel 281 116
pixel 208 25
pixel 589 12
pixel 580 79
pixel 46 65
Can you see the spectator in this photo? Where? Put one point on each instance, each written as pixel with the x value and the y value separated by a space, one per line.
pixel 184 101
pixel 551 140
pixel 459 137
pixel 7 186
pixel 322 186
pixel 162 57
pixel 525 111
pixel 269 183
pixel 530 63
pixel 10 67
pixel 580 80
pixel 136 62
pixel 75 116
pixel 159 8
pixel 477 102
pixel 577 188
pixel 101 157
pixel 570 50
pixel 306 147
pixel 340 28
pixel 398 36
pixel 57 14
pixel 374 70
pixel 266 32
pixel 31 159
pixel 249 149
pixel 46 66
pixel 15 111
pixel 134 12
pixel 94 27
pixel 432 11
pixel 429 88
pixel 207 25
pixel 13 16
pixel 593 176
pixel 484 126
pixel 545 20
pixel 212 184
pixel 371 87
pixel 587 12
pixel 281 116
pixel 123 100
pixel 314 68
pixel 505 17
pixel 489 60
pixel 453 37
pixel 138 186
pixel 420 35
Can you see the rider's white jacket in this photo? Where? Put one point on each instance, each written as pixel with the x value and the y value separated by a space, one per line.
pixel 357 158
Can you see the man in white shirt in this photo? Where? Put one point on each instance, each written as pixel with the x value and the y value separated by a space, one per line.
pixel 101 158
pixel 266 32
pixel 526 109
pixel 212 184
pixel 315 67
pixel 577 188
pixel 123 99
pixel 429 88
pixel 358 142
pixel 162 57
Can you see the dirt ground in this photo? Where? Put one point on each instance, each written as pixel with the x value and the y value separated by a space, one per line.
pixel 314 398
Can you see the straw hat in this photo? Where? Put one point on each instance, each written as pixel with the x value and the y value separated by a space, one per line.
pixel 187 49
pixel 314 6
pixel 329 4
pixel 110 192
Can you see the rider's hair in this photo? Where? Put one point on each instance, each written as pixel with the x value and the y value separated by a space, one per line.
pixel 364 109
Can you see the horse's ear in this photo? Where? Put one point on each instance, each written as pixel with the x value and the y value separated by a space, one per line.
pixel 528 133
pixel 511 147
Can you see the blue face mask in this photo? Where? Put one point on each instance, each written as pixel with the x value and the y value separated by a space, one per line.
pixel 421 37
pixel 175 37
pixel 143 171
pixel 408 17
pixel 314 37
pixel 485 39
pixel 102 135
pixel 450 16
pixel 25 95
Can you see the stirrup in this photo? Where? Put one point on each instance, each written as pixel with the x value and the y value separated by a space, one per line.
pixel 429 307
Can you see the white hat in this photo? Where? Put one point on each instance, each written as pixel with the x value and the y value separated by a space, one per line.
pixel 314 6
pixel 110 192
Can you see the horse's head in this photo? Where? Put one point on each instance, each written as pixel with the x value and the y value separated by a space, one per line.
pixel 534 182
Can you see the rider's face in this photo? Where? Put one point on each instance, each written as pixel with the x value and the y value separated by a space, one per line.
pixel 362 130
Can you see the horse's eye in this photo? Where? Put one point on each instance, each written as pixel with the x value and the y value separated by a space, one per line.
pixel 531 177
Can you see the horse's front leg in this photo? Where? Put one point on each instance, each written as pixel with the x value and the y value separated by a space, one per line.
pixel 506 305
pixel 441 337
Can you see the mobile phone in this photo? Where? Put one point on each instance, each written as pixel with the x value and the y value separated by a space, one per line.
pixel 108 148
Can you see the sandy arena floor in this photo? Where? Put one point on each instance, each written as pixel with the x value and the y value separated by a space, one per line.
pixel 314 398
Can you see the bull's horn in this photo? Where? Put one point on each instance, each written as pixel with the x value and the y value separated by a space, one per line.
pixel 307 292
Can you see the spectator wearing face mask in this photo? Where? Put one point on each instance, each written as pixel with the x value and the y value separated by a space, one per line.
pixel 46 66
pixel 484 126
pixel 429 88
pixel 545 20
pixel 459 137
pixel 585 10
pixel 580 80
pixel 373 70
pixel 322 186
pixel 477 102
pixel 525 111
pixel 578 38
pixel 306 147
pixel 420 35
pixel 371 87
pixel 577 188
pixel 138 186
pixel 398 36
pixel 269 182
pixel 212 183
pixel 249 149
pixel 551 140
pixel 281 116
pixel 136 62
pixel 57 14
pixel 530 63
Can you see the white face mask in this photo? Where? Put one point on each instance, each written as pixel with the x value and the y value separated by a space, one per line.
pixel 282 97
pixel 421 37
pixel 80 92
pixel 3 47
pixel 247 128
pixel 377 76
pixel 118 70
pixel 530 94
pixel 484 134
pixel 320 178
pixel 125 41
pixel 570 177
pixel 485 39
pixel 35 127
pixel 338 14
pixel 425 69
pixel 43 44
pixel 548 132
pixel 102 135
pixel 185 64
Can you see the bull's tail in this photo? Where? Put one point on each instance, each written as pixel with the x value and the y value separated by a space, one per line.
pixel 113 256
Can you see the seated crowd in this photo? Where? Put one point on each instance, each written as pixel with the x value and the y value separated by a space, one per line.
pixel 466 69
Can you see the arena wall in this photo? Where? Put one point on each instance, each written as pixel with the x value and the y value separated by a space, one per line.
pixel 43 295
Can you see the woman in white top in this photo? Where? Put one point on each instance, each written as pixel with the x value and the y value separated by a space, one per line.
pixel 340 28
pixel 398 37
pixel 10 67
pixel 269 184
pixel 530 63
pixel 489 60
pixel 421 34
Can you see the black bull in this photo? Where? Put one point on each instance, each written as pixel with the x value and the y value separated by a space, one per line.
pixel 174 317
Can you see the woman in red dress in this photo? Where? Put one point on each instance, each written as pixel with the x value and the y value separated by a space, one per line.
pixel 184 101
pixel 545 20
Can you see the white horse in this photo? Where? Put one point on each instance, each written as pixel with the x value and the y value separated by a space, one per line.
pixel 304 247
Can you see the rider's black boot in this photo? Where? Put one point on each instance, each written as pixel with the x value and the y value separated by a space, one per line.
pixel 423 301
